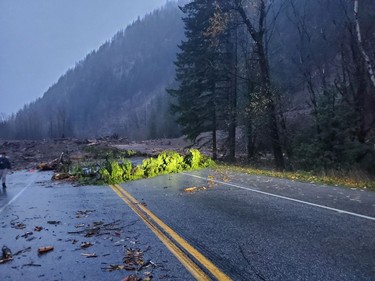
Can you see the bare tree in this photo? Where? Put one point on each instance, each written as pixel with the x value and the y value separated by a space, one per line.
pixel 258 34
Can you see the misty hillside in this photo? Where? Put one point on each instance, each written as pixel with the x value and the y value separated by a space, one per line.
pixel 117 89
pixel 294 77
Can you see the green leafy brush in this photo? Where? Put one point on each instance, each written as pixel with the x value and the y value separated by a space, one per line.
pixel 113 171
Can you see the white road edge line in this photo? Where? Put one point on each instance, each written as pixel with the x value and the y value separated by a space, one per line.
pixel 283 197
pixel 16 197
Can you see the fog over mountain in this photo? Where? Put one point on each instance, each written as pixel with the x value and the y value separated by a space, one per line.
pixel 117 89
pixel 43 39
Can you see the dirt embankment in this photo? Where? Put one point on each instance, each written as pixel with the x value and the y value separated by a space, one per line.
pixel 26 154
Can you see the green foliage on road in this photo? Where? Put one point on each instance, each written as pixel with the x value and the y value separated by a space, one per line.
pixel 165 163
pixel 193 159
pixel 119 170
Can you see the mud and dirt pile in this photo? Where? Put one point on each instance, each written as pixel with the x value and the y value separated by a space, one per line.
pixel 29 154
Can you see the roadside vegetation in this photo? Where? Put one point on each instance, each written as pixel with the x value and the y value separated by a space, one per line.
pixel 353 179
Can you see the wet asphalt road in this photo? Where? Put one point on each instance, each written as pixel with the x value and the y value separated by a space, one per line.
pixel 253 236
pixel 248 235
pixel 77 209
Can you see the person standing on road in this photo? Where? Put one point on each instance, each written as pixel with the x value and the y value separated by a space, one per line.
pixel 4 166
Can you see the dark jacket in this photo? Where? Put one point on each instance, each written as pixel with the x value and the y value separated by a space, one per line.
pixel 4 163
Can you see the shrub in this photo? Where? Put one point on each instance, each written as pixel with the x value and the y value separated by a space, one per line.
pixel 151 167
pixel 116 171
pixel 167 162
pixel 126 167
pixel 137 173
pixel 105 176
pixel 195 160
pixel 171 162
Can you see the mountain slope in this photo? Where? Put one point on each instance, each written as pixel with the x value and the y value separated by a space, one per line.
pixel 117 89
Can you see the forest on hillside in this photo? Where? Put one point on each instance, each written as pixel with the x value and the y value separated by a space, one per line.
pixel 118 89
pixel 296 76
pixel 290 78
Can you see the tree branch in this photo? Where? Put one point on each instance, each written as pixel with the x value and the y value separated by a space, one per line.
pixel 247 22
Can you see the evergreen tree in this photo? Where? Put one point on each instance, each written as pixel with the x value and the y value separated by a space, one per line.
pixel 196 74
pixel 206 70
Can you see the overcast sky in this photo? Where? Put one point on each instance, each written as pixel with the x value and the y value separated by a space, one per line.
pixel 41 39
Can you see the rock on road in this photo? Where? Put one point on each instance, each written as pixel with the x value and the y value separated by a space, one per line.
pixel 250 227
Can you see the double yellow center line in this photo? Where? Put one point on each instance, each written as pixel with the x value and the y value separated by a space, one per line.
pixel 174 242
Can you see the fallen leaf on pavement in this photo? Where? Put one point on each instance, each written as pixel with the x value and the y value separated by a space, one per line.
pixel 85 245
pixel 27 234
pixel 114 267
pixel 46 249
pixel 92 232
pixel 19 226
pixel 132 278
pixel 38 228
pixel 83 213
pixel 211 183
pixel 54 222
pixel 6 255
pixel 191 189
pixel 194 188
pixel 97 223
pixel 87 255
pixel 146 264
pixel 5 260
pixel 133 257
pixel 226 179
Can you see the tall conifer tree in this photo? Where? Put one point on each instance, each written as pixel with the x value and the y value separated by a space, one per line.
pixel 196 74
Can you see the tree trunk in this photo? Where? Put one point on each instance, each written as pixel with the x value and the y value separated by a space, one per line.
pixel 250 140
pixel 365 57
pixel 214 125
pixel 359 92
pixel 233 106
pixel 214 141
pixel 258 37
